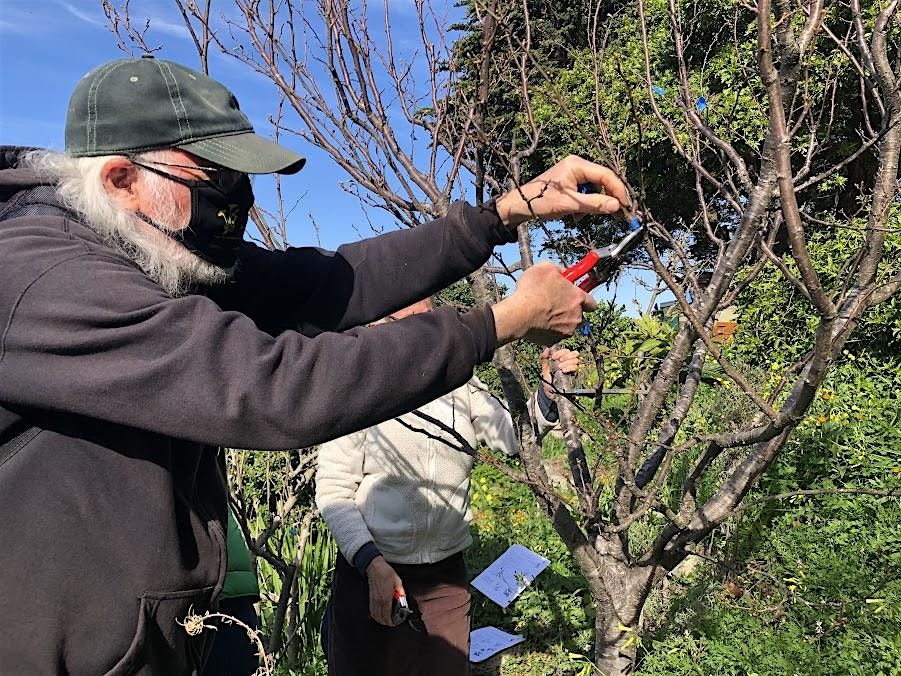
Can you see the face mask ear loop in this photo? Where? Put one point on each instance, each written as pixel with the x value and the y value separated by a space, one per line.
pixel 174 234
pixel 190 183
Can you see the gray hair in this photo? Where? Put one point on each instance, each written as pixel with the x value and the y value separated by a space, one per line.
pixel 80 187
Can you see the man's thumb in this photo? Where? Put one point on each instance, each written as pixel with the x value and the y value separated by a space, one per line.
pixel 589 304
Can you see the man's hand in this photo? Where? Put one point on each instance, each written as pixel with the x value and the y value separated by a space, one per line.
pixel 567 362
pixel 544 308
pixel 382 583
pixel 556 193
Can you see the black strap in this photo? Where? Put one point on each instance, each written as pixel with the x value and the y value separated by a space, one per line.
pixel 17 443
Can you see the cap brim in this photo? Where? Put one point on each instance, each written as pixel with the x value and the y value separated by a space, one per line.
pixel 248 153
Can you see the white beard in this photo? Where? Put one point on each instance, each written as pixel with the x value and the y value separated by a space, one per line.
pixel 166 261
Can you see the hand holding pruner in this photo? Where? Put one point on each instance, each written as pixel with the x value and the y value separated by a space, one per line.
pixel 402 612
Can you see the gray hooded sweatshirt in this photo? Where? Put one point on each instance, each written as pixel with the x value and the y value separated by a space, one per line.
pixel 113 516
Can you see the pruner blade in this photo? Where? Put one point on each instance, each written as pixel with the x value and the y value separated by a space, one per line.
pixel 598 265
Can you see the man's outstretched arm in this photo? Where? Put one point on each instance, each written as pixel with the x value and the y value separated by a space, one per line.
pixel 313 290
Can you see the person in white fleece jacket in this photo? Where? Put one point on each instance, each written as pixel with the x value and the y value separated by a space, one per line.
pixel 396 498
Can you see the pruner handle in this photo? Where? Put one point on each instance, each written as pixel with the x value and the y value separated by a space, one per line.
pixel 584 268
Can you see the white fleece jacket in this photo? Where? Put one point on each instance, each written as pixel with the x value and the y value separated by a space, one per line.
pixel 404 485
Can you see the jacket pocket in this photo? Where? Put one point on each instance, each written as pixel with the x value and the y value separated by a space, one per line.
pixel 161 645
pixel 389 516
pixel 451 518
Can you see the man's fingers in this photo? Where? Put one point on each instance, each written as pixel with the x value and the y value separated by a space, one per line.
pixel 380 610
pixel 605 178
pixel 567 360
pixel 569 365
pixel 589 304
pixel 595 203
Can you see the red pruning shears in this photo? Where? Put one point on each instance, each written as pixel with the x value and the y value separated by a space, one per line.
pixel 598 265
pixel 402 612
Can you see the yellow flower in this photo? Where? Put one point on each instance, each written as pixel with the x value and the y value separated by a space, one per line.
pixel 827 395
pixel 822 419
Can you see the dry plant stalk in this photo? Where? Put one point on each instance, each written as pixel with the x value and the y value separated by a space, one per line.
pixel 196 624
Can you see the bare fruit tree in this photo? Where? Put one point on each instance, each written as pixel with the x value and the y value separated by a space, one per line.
pixel 763 194
pixel 345 87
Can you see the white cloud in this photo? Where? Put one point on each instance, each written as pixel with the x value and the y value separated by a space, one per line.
pixel 178 30
pixel 83 16
pixel 11 27
pixel 18 21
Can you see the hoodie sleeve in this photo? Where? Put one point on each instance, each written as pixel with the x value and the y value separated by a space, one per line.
pixel 86 332
pixel 312 290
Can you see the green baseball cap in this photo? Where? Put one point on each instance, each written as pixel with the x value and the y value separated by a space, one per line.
pixel 132 105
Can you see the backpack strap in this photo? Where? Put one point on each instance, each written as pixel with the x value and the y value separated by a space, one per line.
pixel 17 443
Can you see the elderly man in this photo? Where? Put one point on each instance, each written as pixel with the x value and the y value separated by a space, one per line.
pixel 139 333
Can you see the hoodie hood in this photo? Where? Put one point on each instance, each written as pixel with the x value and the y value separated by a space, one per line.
pixel 14 178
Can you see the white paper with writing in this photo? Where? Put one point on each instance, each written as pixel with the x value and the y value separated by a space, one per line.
pixel 512 572
pixel 488 641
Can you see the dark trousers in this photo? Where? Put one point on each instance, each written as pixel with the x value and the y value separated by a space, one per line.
pixel 233 653
pixel 359 646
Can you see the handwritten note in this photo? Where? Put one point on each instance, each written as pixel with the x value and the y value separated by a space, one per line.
pixel 512 572
pixel 488 641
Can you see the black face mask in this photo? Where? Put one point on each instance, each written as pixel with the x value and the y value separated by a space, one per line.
pixel 219 211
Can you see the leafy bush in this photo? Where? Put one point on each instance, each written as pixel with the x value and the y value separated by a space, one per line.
pixel 807 585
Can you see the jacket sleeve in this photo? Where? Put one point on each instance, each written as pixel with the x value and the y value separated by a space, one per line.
pixel 338 476
pixel 543 423
pixel 312 290
pixel 89 334
pixel 492 422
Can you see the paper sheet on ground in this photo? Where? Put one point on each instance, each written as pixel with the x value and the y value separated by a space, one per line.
pixel 488 641
pixel 512 572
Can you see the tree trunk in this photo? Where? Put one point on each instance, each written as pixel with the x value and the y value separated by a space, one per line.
pixel 615 643
pixel 619 591
pixel 619 594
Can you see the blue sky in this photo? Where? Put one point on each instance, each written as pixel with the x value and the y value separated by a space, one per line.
pixel 47 45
